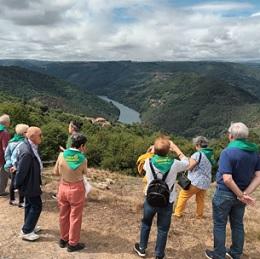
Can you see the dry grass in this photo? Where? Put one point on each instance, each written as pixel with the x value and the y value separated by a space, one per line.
pixel 111 225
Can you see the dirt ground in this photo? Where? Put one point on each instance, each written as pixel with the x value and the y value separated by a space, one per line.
pixel 111 222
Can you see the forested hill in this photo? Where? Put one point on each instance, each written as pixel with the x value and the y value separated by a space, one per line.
pixel 186 98
pixel 53 92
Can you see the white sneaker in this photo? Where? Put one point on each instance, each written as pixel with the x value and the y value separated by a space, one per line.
pixel 37 229
pixel 30 236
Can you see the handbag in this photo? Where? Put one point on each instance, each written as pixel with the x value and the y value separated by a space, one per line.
pixel 87 186
pixel 183 179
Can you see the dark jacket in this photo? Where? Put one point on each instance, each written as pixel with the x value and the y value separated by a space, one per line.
pixel 28 175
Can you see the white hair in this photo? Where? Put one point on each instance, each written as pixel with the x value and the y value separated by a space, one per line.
pixel 238 130
pixel 21 128
pixel 4 118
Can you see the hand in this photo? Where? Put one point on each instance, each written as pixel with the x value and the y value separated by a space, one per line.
pixel 173 147
pixel 12 169
pixel 61 148
pixel 150 149
pixel 248 200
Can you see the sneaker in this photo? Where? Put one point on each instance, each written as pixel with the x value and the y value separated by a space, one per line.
pixel 13 203
pixel 209 254
pixel 229 255
pixel 3 194
pixel 75 248
pixel 62 243
pixel 21 205
pixel 30 236
pixel 138 250
pixel 37 229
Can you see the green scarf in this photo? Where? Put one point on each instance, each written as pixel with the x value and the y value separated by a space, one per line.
pixel 244 145
pixel 162 163
pixel 209 154
pixel 74 158
pixel 16 138
pixel 2 127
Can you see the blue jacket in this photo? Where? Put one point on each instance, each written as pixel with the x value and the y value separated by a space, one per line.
pixel 28 175
pixel 11 155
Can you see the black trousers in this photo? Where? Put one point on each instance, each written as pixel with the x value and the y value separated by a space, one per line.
pixel 32 211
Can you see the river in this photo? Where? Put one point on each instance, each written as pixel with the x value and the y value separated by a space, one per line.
pixel 127 115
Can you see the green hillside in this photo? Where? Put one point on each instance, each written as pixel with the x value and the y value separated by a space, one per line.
pixel 52 92
pixel 186 98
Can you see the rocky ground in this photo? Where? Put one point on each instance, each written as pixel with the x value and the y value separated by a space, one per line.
pixel 111 224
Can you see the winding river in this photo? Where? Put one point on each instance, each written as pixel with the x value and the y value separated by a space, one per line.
pixel 127 115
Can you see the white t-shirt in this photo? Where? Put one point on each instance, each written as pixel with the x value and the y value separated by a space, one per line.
pixel 177 166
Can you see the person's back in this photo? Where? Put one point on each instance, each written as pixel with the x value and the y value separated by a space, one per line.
pixel 164 167
pixel 237 177
pixel 241 163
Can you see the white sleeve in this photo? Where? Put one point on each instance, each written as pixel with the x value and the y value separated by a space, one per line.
pixel 181 165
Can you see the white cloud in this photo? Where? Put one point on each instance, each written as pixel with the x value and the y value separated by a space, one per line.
pixel 91 30
pixel 221 6
pixel 255 14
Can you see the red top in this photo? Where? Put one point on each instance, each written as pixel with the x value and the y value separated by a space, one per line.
pixel 4 138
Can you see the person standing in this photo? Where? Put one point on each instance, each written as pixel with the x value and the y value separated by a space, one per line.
pixel 28 181
pixel 200 176
pixel 11 160
pixel 161 167
pixel 237 177
pixel 71 165
pixel 4 138
pixel 74 128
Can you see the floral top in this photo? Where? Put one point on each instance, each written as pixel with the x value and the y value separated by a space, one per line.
pixel 200 175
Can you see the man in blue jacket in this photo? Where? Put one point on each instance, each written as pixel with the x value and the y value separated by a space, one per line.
pixel 237 177
pixel 28 181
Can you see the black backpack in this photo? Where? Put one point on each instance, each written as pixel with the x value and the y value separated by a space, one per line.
pixel 158 192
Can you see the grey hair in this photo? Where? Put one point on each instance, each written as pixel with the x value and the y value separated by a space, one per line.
pixel 201 141
pixel 21 128
pixel 4 118
pixel 238 130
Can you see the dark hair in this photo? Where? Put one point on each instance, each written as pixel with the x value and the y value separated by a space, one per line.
pixel 77 140
pixel 76 125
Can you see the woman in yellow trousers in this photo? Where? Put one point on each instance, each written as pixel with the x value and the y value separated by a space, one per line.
pixel 200 176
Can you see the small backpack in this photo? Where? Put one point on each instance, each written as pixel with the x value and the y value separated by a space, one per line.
pixel 158 192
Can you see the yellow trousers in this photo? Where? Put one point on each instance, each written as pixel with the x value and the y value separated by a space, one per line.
pixel 184 195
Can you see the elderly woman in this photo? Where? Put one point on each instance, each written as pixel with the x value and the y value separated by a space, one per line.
pixel 4 138
pixel 11 160
pixel 71 166
pixel 200 176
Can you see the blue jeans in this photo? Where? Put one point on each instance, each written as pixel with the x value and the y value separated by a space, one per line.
pixel 163 224
pixel 32 211
pixel 226 207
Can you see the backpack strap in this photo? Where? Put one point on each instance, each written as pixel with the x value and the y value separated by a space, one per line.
pixel 154 174
pixel 199 158
pixel 152 169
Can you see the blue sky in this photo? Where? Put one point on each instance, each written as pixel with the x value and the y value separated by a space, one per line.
pixel 141 30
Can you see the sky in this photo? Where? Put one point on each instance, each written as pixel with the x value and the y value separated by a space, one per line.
pixel 140 30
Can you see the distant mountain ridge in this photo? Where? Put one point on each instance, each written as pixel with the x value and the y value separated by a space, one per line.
pixel 53 92
pixel 186 98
